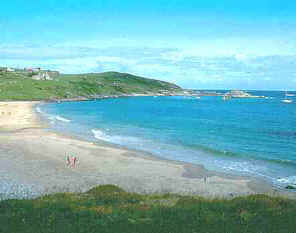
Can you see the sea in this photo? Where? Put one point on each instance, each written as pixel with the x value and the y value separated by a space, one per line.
pixel 251 136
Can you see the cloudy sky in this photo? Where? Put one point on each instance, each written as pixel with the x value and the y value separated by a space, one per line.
pixel 203 44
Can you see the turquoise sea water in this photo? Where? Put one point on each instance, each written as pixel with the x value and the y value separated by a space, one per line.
pixel 254 137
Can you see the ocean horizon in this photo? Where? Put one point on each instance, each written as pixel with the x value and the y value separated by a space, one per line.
pixel 251 136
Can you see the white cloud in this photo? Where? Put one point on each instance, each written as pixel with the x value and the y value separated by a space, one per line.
pixel 185 67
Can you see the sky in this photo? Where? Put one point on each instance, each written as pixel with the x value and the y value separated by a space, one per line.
pixel 201 44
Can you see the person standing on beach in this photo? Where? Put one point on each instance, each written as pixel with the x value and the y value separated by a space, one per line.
pixel 74 161
pixel 68 161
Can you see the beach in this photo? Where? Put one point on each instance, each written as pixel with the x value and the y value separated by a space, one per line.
pixel 36 160
pixel 18 115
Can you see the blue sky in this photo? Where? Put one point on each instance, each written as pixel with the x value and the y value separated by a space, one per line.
pixel 197 44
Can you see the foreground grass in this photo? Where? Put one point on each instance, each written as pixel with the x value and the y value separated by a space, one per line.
pixel 18 86
pixel 110 209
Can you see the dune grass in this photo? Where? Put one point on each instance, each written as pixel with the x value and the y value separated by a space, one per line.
pixel 111 209
pixel 18 86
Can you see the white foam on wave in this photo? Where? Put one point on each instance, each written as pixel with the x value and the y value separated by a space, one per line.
pixel 260 171
pixel 99 135
pixel 288 180
pixel 242 166
pixel 245 167
pixel 122 140
pixel 38 110
pixel 59 118
pixel 52 118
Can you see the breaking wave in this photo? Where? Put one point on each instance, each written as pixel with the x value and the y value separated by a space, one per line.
pixel 59 118
pixel 121 140
pixel 51 117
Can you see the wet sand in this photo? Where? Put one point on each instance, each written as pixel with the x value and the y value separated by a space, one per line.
pixel 35 159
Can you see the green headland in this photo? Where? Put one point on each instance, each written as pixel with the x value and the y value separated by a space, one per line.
pixel 49 85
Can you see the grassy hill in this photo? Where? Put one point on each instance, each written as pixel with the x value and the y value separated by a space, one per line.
pixel 111 209
pixel 19 86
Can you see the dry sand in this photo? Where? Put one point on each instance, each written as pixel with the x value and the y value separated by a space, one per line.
pixel 17 115
pixel 33 162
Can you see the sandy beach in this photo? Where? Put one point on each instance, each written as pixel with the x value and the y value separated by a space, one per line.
pixel 17 115
pixel 33 162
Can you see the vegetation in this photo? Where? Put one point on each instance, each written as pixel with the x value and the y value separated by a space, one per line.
pixel 21 86
pixel 111 209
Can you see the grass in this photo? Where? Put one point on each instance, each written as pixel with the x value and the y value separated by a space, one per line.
pixel 20 86
pixel 111 209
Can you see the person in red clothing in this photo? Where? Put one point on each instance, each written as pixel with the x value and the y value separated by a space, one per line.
pixel 74 161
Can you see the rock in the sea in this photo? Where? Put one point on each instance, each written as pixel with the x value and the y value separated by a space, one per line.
pixel 290 187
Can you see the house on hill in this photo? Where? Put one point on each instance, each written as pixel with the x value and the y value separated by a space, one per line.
pixel 42 76
pixel 6 69
pixel 9 69
pixel 39 74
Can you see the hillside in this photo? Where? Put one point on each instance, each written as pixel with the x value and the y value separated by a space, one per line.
pixel 111 209
pixel 21 86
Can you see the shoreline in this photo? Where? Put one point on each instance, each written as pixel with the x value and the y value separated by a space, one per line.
pixel 37 156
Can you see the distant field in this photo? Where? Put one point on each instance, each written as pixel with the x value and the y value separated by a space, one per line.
pixel 17 86
pixel 110 209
